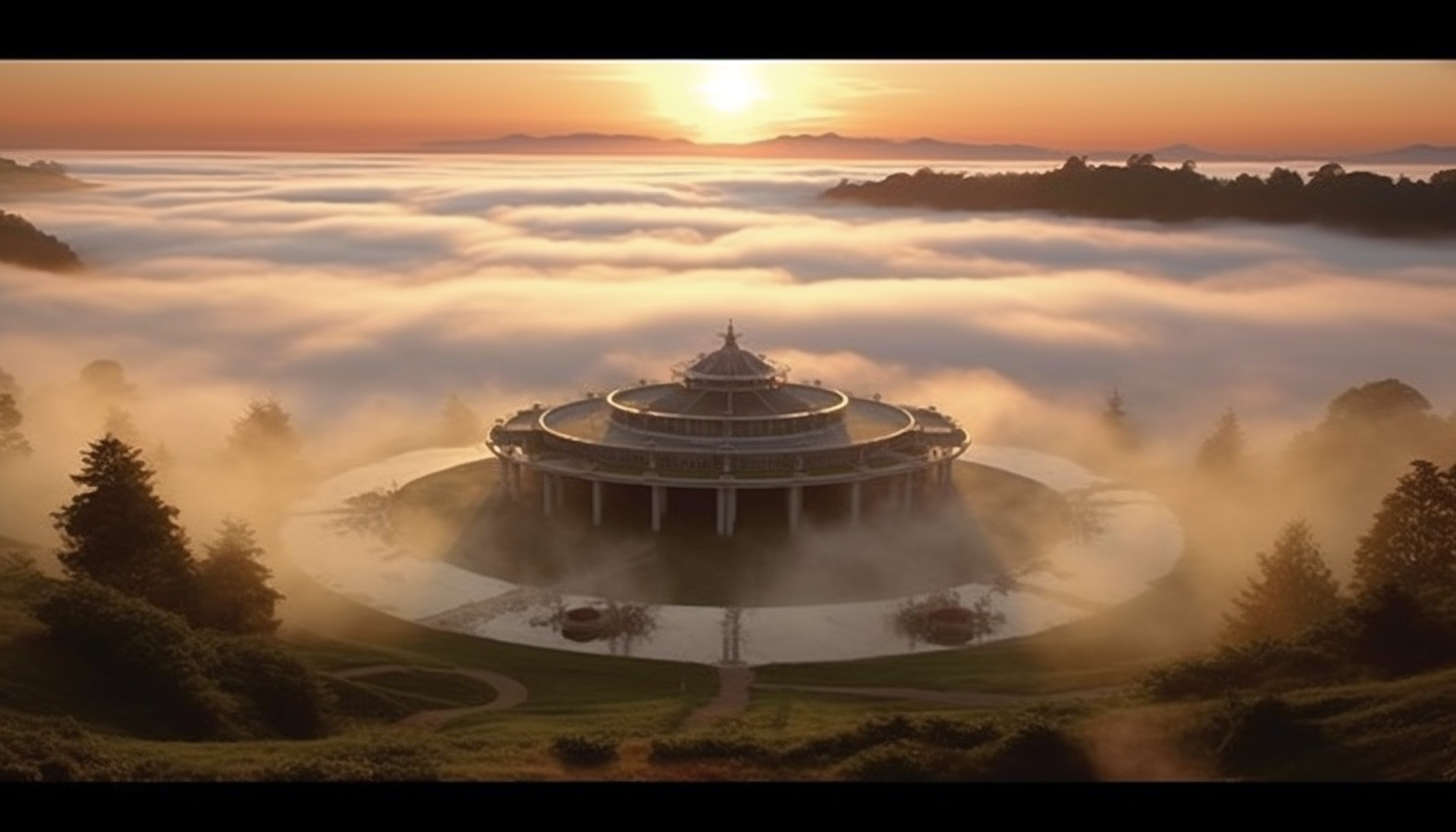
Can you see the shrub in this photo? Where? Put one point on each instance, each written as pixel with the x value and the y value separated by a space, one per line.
pixel 1399 633
pixel 57 752
pixel 952 733
pixel 1038 751
pixel 682 749
pixel 900 761
pixel 151 651
pixel 379 760
pixel 285 694
pixel 868 734
pixel 578 751
pixel 1260 734
pixel 1318 656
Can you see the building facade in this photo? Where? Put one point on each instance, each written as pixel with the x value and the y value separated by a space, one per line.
pixel 729 429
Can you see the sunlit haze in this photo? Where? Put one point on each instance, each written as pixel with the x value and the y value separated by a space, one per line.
pixel 1314 107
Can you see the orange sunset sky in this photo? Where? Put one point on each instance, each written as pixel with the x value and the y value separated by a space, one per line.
pixel 1228 106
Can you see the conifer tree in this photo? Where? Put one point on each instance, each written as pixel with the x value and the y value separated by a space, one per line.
pixel 233 591
pixel 264 436
pixel 1412 543
pixel 1223 451
pixel 117 532
pixel 1294 590
pixel 12 441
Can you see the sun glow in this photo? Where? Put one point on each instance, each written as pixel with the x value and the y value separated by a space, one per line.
pixel 731 88
pixel 736 101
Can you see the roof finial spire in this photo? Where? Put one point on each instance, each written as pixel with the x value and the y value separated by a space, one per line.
pixel 730 338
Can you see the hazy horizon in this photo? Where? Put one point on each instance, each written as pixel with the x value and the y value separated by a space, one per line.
pixel 1316 108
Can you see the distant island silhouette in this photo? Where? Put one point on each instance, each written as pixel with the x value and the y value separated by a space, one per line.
pixel 25 245
pixel 835 146
pixel 37 177
pixel 1141 190
pixel 21 243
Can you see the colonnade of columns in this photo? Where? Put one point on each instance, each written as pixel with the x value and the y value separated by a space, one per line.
pixel 902 487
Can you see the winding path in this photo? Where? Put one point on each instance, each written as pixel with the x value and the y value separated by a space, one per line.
pixel 508 692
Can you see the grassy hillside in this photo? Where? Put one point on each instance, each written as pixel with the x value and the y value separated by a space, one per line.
pixel 57 720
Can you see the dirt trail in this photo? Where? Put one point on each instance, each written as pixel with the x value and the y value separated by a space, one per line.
pixel 734 681
pixel 508 692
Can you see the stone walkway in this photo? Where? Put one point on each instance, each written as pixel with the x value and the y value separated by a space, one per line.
pixel 508 692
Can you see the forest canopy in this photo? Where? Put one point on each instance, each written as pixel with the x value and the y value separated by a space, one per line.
pixel 1356 201
pixel 25 245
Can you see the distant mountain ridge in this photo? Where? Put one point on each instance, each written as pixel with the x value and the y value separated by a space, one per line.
pixel 835 146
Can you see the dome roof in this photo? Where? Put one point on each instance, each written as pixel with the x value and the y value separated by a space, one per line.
pixel 731 364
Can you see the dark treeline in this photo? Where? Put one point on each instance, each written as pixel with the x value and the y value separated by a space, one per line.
pixel 25 245
pixel 1355 200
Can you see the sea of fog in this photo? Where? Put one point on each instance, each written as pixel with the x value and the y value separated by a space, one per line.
pixel 356 288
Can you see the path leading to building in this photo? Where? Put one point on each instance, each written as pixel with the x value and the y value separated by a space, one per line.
pixel 508 692
pixel 734 680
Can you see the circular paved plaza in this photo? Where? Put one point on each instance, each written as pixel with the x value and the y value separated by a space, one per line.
pixel 1133 541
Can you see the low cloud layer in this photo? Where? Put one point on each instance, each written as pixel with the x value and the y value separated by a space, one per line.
pixel 350 286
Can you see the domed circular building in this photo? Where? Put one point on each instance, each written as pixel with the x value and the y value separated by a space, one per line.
pixel 731 431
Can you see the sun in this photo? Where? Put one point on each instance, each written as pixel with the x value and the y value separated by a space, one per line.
pixel 730 88
pixel 734 102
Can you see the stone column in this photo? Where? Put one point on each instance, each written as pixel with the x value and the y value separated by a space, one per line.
pixel 732 519
pixel 596 502
pixel 560 482
pixel 547 492
pixel 796 506
pixel 658 496
pixel 722 512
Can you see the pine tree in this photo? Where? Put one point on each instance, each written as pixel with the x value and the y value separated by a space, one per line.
pixel 264 435
pixel 1294 590
pixel 1412 543
pixel 12 441
pixel 1223 451
pixel 233 591
pixel 117 532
